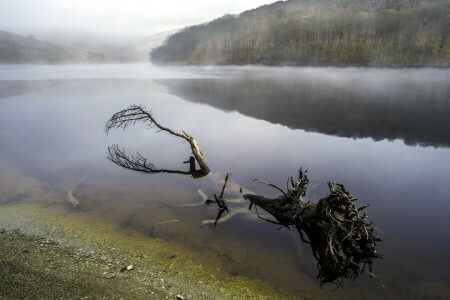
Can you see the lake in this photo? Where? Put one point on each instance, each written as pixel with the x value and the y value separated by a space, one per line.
pixel 384 133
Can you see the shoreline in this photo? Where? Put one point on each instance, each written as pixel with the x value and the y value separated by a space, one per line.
pixel 76 256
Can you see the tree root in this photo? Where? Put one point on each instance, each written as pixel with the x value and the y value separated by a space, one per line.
pixel 342 240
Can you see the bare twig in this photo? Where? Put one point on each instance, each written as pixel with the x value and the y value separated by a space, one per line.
pixel 270 184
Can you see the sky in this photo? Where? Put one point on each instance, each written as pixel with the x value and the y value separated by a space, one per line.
pixel 113 17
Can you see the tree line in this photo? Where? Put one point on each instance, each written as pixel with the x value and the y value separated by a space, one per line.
pixel 321 32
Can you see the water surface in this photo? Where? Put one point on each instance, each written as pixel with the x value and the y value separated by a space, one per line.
pixel 383 133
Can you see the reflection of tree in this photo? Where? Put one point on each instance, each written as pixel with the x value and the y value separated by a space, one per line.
pixel 415 113
pixel 13 88
pixel 136 162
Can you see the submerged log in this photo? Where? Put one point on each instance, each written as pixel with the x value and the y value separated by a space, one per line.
pixel 342 240
pixel 70 197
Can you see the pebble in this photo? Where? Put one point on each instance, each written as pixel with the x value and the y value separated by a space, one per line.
pixel 109 275
pixel 180 297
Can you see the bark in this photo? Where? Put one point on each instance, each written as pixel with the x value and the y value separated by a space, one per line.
pixel 136 162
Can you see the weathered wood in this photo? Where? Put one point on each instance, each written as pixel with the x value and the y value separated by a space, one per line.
pixel 136 162
pixel 342 240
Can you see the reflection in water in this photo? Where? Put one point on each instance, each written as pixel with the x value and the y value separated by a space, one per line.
pixel 14 88
pixel 415 112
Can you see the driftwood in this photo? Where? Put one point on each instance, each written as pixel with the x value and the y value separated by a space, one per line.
pixel 136 162
pixel 342 240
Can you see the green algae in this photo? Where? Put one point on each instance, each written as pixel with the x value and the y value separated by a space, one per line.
pixel 174 259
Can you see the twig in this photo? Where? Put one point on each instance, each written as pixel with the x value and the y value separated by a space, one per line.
pixel 269 184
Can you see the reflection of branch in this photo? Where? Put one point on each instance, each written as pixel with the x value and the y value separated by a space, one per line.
pixel 136 113
pixel 136 162
pixel 220 201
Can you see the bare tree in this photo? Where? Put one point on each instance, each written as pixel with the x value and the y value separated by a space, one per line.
pixel 136 162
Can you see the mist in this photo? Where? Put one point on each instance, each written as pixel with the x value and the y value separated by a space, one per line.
pixel 356 92
pixel 112 19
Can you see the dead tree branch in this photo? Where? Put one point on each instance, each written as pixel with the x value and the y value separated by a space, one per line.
pixel 136 162
pixel 342 240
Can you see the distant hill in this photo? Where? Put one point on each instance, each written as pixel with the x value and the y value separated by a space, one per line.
pixel 15 48
pixel 320 32
pixel 122 49
pixel 139 51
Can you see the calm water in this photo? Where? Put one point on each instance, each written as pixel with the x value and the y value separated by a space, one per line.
pixel 385 134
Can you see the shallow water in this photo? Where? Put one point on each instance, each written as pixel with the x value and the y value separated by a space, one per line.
pixel 383 133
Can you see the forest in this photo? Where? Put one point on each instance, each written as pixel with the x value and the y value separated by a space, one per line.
pixel 394 33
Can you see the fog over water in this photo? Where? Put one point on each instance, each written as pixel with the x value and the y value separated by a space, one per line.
pixel 383 133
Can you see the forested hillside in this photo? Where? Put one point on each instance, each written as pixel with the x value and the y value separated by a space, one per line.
pixel 320 32
pixel 15 48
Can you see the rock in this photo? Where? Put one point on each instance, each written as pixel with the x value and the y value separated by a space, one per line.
pixel 109 275
pixel 130 267
pixel 180 297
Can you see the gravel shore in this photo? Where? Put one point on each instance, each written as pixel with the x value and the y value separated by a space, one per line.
pixel 34 267
pixel 46 255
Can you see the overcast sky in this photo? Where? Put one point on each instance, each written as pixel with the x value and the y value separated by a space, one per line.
pixel 108 17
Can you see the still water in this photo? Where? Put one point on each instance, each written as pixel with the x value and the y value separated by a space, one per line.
pixel 383 133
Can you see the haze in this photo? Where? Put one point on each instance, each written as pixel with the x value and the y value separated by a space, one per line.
pixel 131 18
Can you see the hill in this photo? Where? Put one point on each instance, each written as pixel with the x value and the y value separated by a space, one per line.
pixel 320 32
pixel 138 51
pixel 15 48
